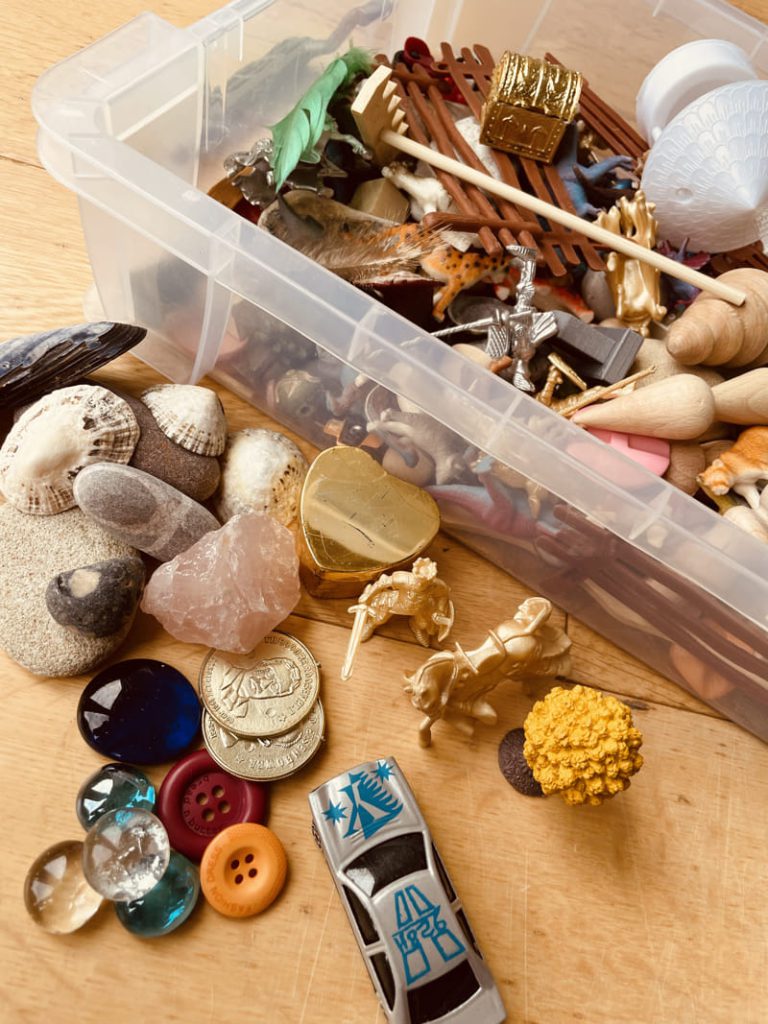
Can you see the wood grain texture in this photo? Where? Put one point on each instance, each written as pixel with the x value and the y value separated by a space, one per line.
pixel 649 910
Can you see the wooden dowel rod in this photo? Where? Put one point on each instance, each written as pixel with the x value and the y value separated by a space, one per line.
pixel 569 220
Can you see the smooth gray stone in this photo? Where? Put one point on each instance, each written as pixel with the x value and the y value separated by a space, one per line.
pixel 33 549
pixel 141 510
pixel 97 599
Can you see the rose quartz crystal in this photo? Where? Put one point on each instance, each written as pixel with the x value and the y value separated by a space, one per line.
pixel 230 588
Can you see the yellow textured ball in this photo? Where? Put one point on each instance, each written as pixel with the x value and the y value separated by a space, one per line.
pixel 582 744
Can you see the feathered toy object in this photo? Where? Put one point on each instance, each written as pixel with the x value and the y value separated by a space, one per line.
pixel 353 245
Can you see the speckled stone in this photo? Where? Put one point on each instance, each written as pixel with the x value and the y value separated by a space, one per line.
pixel 97 599
pixel 33 549
pixel 141 510
pixel 194 475
pixel 513 765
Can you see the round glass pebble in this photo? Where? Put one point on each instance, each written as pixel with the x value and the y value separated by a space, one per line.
pixel 110 788
pixel 125 854
pixel 167 905
pixel 56 893
pixel 139 711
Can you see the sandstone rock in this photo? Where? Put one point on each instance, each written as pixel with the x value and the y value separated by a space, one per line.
pixel 97 599
pixel 32 550
pixel 141 510
pixel 230 588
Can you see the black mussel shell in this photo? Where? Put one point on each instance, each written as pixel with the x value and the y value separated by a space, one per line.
pixel 38 363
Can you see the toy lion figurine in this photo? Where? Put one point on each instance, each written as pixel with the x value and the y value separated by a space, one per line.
pixel 453 684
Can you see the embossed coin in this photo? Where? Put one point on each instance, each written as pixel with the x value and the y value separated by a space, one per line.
pixel 265 758
pixel 263 693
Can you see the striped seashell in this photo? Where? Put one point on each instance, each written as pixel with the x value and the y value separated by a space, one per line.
pixel 51 442
pixel 191 416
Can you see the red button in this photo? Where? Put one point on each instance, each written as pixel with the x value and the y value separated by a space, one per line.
pixel 198 799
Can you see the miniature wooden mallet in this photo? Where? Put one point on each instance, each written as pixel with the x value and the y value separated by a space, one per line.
pixel 381 122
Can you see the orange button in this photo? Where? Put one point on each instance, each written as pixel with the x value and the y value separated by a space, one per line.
pixel 243 870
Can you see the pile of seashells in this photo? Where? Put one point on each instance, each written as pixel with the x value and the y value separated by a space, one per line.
pixel 94 478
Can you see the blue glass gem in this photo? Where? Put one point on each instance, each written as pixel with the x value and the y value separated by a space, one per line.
pixel 139 711
pixel 110 788
pixel 166 906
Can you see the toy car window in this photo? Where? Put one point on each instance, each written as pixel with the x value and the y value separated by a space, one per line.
pixel 390 860
pixel 362 917
pixel 384 974
pixel 462 919
pixel 450 892
pixel 438 997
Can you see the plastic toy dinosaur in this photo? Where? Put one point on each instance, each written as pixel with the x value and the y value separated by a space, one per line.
pixel 587 182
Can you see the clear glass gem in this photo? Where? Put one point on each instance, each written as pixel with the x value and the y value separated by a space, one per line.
pixel 56 893
pixel 167 905
pixel 110 788
pixel 125 854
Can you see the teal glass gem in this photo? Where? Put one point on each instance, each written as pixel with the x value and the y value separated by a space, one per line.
pixel 110 788
pixel 167 905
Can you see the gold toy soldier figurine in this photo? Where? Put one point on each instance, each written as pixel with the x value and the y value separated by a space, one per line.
pixel 453 684
pixel 418 593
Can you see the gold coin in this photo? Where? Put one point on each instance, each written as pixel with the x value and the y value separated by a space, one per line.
pixel 263 693
pixel 263 759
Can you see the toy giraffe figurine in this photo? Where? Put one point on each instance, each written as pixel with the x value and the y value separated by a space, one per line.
pixel 418 593
pixel 635 285
pixel 453 684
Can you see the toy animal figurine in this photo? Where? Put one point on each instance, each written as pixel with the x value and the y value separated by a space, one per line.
pixel 715 333
pixel 420 594
pixel 682 294
pixel 427 193
pixel 635 285
pixel 587 182
pixel 421 432
pixel 459 270
pixel 453 685
pixel 739 468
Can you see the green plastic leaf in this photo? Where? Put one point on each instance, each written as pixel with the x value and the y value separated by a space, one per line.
pixel 295 137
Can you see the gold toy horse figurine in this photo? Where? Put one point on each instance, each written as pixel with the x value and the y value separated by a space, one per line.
pixel 453 684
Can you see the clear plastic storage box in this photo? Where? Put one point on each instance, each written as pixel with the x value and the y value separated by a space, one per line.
pixel 138 125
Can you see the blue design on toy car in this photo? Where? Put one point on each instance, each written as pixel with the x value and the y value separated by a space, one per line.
pixel 334 812
pixel 372 805
pixel 419 922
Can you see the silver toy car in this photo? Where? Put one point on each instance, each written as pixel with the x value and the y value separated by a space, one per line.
pixel 413 934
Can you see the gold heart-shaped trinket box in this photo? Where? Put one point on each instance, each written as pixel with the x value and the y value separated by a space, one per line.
pixel 358 521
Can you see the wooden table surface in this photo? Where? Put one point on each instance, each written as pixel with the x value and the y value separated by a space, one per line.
pixel 648 910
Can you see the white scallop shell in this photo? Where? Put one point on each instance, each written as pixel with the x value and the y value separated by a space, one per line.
pixel 191 416
pixel 59 434
pixel 708 171
pixel 261 471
